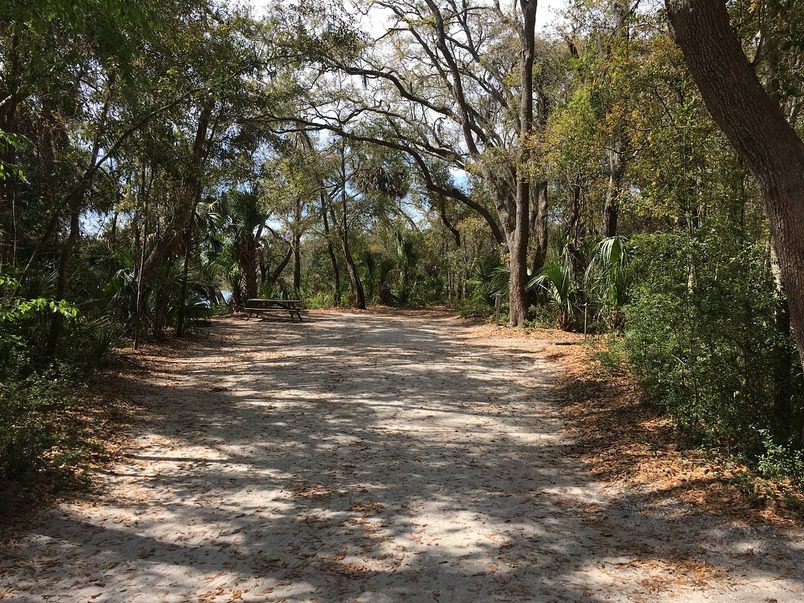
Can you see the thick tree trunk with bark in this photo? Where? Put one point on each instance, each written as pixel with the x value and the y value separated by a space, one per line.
pixel 518 238
pixel 248 266
pixel 181 311
pixel 756 128
pixel 274 276
pixel 189 195
pixel 510 190
pixel 247 246
pixel 351 267
pixel 354 277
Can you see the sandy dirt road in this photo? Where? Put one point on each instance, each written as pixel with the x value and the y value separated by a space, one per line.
pixel 374 458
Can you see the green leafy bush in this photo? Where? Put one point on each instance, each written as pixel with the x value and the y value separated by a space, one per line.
pixel 33 384
pixel 780 460
pixel 700 338
pixel 25 407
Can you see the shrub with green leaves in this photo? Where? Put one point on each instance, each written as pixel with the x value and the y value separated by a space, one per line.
pixel 700 337
pixel 31 385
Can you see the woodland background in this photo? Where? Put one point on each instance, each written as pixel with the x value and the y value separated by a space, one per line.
pixel 163 161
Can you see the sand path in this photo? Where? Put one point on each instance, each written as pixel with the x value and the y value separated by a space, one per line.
pixel 374 458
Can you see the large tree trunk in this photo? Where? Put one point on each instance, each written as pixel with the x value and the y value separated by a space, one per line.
pixel 189 195
pixel 509 190
pixel 274 276
pixel 757 129
pixel 248 266
pixel 247 262
pixel 351 269
pixel 518 239
pixel 247 245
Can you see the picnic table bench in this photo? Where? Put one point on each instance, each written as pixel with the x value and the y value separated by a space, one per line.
pixel 255 307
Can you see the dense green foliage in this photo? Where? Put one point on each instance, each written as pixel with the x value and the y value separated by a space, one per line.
pixel 28 390
pixel 701 337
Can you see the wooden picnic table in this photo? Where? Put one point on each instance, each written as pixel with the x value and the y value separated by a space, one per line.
pixel 258 306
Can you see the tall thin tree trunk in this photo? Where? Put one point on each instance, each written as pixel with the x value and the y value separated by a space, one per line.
pixel 297 217
pixel 138 306
pixel 273 276
pixel 190 195
pixel 336 271
pixel 611 209
pixel 188 245
pixel 619 145
pixel 144 191
pixel 539 227
pixel 351 267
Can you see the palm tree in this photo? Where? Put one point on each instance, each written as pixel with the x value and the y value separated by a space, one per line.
pixel 555 285
pixel 607 278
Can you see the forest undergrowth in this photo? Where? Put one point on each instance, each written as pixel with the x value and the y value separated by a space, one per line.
pixel 625 438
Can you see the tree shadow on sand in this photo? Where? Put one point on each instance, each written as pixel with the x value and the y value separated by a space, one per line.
pixel 388 458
